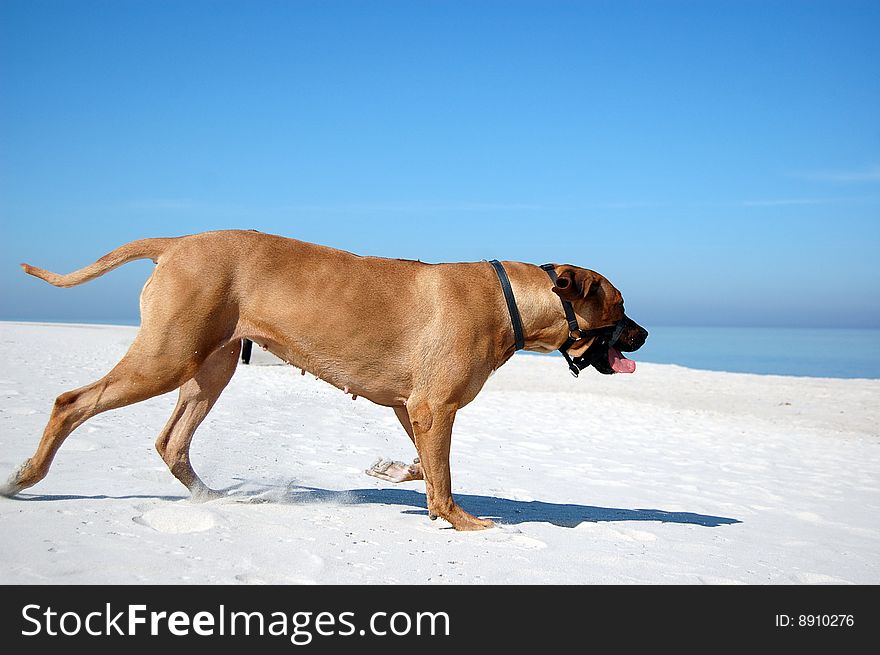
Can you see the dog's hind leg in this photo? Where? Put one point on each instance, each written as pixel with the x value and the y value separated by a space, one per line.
pixel 197 397
pixel 393 471
pixel 148 369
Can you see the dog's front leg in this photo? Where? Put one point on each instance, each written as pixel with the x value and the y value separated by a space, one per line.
pixel 432 428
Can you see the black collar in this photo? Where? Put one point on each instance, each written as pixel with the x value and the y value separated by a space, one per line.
pixel 518 337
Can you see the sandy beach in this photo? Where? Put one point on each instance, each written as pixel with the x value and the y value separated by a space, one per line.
pixel 667 476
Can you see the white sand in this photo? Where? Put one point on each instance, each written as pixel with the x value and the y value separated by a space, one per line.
pixel 666 476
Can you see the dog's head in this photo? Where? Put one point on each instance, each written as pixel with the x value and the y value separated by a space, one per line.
pixel 599 306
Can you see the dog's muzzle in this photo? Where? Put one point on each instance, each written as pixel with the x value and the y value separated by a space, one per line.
pixel 606 338
pixel 605 354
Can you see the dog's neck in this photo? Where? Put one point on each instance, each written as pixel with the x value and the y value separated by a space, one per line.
pixel 544 326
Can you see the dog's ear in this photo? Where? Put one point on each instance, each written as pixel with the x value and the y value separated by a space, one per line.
pixel 573 283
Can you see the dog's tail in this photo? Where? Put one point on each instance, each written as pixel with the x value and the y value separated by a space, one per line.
pixel 142 249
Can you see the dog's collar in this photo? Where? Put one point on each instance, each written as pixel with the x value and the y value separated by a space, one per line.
pixel 515 319
pixel 575 333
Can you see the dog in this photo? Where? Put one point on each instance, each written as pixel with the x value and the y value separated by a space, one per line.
pixel 419 338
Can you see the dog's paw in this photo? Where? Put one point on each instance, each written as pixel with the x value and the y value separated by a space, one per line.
pixel 8 489
pixel 12 485
pixel 393 471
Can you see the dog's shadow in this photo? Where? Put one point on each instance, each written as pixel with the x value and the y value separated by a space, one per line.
pixel 501 510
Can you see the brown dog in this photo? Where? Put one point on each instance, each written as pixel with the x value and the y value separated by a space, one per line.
pixel 419 338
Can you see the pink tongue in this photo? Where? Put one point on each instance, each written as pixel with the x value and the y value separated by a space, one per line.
pixel 620 363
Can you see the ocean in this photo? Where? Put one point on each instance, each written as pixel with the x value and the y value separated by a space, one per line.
pixel 835 353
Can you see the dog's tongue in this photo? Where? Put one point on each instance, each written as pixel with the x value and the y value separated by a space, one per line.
pixel 620 363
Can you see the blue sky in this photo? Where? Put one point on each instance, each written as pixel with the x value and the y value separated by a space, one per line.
pixel 718 161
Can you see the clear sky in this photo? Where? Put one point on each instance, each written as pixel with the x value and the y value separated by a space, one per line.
pixel 718 161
